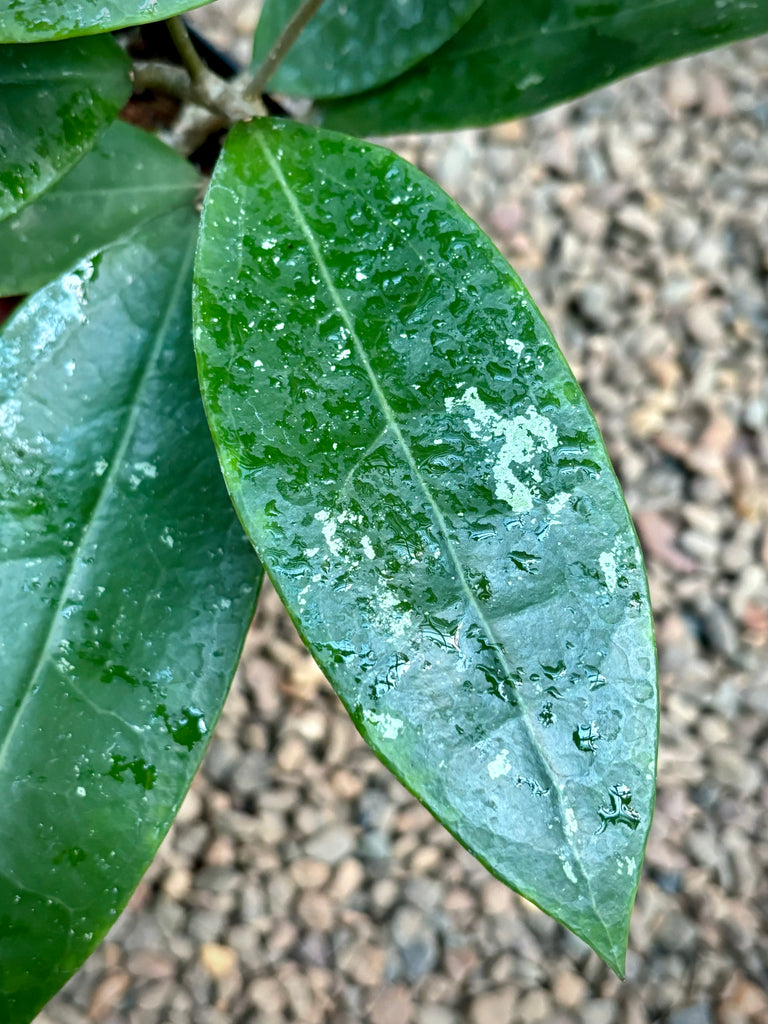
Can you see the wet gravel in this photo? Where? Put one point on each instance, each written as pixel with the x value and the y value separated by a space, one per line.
pixel 301 882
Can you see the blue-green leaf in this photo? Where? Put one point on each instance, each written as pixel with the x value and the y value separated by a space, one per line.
pixel 55 99
pixel 352 45
pixel 515 58
pixel 427 488
pixel 32 21
pixel 126 587
pixel 128 177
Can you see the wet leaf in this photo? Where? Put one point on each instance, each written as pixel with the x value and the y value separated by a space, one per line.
pixel 126 586
pixel 514 58
pixel 33 21
pixel 352 45
pixel 128 177
pixel 427 488
pixel 55 99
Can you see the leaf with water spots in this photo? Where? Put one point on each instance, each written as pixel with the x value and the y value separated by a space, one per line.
pixel 428 490
pixel 31 21
pixel 129 176
pixel 55 99
pixel 352 45
pixel 513 59
pixel 127 586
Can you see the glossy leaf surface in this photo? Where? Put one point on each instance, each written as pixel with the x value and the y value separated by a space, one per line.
pixel 127 586
pixel 426 486
pixel 55 99
pixel 128 177
pixel 351 45
pixel 30 21
pixel 514 58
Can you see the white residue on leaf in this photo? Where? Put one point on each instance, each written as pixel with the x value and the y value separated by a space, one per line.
pixel 142 471
pixel 310 552
pixel 500 765
pixel 166 537
pixel 607 562
pixel 570 822
pixel 367 547
pixel 388 617
pixel 570 873
pixel 330 526
pixel 268 243
pixel 558 502
pixel 522 438
pixel 387 726
pixel 360 276
pixel 515 344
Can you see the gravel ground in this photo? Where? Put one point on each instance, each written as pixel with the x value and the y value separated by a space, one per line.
pixel 301 882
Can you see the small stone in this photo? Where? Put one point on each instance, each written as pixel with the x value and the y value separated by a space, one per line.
pixel 560 154
pixel 699 1013
pixel 569 989
pixel 156 994
pixel 599 1011
pixel 267 995
pixel 218 960
pixel 435 1014
pixel 310 874
pixel 392 1005
pixel 177 883
pixel 291 754
pixel 331 844
pixel 108 994
pixel 681 90
pixel 364 964
pixel 347 880
pixel 155 965
pixel 415 941
pixel 496 898
pixel 493 1007
pixel 315 909
pixel 535 1007
pixel 251 773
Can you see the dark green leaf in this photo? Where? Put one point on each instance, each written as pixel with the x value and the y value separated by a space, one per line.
pixel 420 472
pixel 31 21
pixel 351 45
pixel 514 58
pixel 55 99
pixel 126 588
pixel 128 177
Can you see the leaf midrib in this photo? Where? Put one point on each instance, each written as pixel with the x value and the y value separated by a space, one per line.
pixel 389 416
pixel 108 480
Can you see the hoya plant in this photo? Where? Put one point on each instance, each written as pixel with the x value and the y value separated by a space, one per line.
pixel 323 370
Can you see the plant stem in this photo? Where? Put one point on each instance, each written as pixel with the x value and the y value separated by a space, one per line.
pixel 189 55
pixel 280 48
pixel 167 78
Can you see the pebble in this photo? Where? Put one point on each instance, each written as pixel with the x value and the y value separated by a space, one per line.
pixel 331 844
pixel 217 959
pixel 415 941
pixel 493 1007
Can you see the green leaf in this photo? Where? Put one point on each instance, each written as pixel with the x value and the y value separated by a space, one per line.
pixel 352 45
pixel 126 586
pixel 427 488
pixel 514 58
pixel 55 99
pixel 128 177
pixel 31 21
